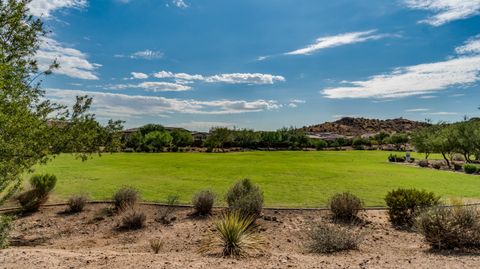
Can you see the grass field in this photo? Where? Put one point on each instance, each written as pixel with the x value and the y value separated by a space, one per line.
pixel 289 179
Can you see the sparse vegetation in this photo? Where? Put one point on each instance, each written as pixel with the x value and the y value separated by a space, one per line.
pixel 37 195
pixel 234 236
pixel 423 163
pixel 166 215
pixel 403 204
pixel 246 198
pixel 203 202
pixel 345 206
pixel 77 203
pixel 133 219
pixel 124 198
pixel 156 245
pixel 327 238
pixel 5 227
pixel 450 227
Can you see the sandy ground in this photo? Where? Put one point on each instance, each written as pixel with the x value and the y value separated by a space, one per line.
pixel 50 239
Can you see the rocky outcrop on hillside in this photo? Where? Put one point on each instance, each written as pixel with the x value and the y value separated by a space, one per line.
pixel 349 126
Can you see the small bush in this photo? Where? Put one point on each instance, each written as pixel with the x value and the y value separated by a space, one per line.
pixel 166 215
pixel 203 202
pixel 77 203
pixel 329 239
pixel 470 168
pixel 124 198
pixel 403 204
pixel 449 228
pixel 246 198
pixel 156 245
pixel 394 158
pixel 345 206
pixel 41 186
pixel 133 219
pixel 437 165
pixel 457 166
pixel 458 158
pixel 5 227
pixel 234 236
pixel 423 163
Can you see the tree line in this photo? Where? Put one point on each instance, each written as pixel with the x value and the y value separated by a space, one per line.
pixel 450 139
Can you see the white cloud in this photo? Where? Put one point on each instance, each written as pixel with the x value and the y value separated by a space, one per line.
pixel 446 10
pixel 441 113
pixel 153 86
pixel 139 75
pixel 44 8
pixel 125 106
pixel 421 79
pixel 293 103
pixel 337 40
pixel 233 78
pixel 180 3
pixel 144 54
pixel 248 78
pixel 73 63
pixel 471 46
pixel 179 76
pixel 417 110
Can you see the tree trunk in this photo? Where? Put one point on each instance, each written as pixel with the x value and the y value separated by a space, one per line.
pixel 446 159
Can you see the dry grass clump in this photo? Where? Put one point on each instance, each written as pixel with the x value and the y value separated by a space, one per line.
pixel 156 245
pixel 76 203
pixel 125 197
pixel 345 206
pixel 166 215
pixel 133 219
pixel 450 227
pixel 328 238
pixel 246 198
pixel 235 236
pixel 203 202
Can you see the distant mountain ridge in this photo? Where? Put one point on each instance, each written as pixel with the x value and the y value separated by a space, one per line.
pixel 349 126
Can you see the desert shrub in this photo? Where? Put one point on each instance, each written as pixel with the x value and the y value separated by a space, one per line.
pixel 234 236
pixel 329 239
pixel 133 219
pixel 203 202
pixel 423 163
pixel 246 198
pixel 77 203
pixel 470 168
pixel 345 206
pixel 5 227
pixel 166 215
pixel 437 165
pixel 41 186
pixel 403 204
pixel 156 245
pixel 124 198
pixel 450 227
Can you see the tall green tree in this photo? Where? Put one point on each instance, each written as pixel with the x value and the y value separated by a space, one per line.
pixel 181 138
pixel 32 128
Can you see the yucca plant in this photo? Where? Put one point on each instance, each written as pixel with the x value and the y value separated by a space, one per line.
pixel 235 236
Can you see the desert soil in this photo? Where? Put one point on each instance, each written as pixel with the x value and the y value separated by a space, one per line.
pixel 51 239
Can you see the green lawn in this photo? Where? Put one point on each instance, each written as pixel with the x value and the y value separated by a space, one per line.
pixel 289 179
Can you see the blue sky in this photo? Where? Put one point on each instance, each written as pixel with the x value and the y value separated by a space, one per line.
pixel 264 64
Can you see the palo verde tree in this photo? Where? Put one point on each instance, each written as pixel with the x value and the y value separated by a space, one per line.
pixel 32 128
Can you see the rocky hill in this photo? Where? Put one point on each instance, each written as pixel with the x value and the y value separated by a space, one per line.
pixel 360 126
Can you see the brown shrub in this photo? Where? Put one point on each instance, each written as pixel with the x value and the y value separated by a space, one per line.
pixel 345 206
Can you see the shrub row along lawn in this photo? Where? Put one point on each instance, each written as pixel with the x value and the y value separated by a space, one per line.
pixel 288 178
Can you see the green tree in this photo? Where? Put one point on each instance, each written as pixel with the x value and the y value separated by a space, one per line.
pixel 32 128
pixel 219 137
pixel 156 141
pixel 422 140
pixel 144 130
pixel 181 138
pixel 398 140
